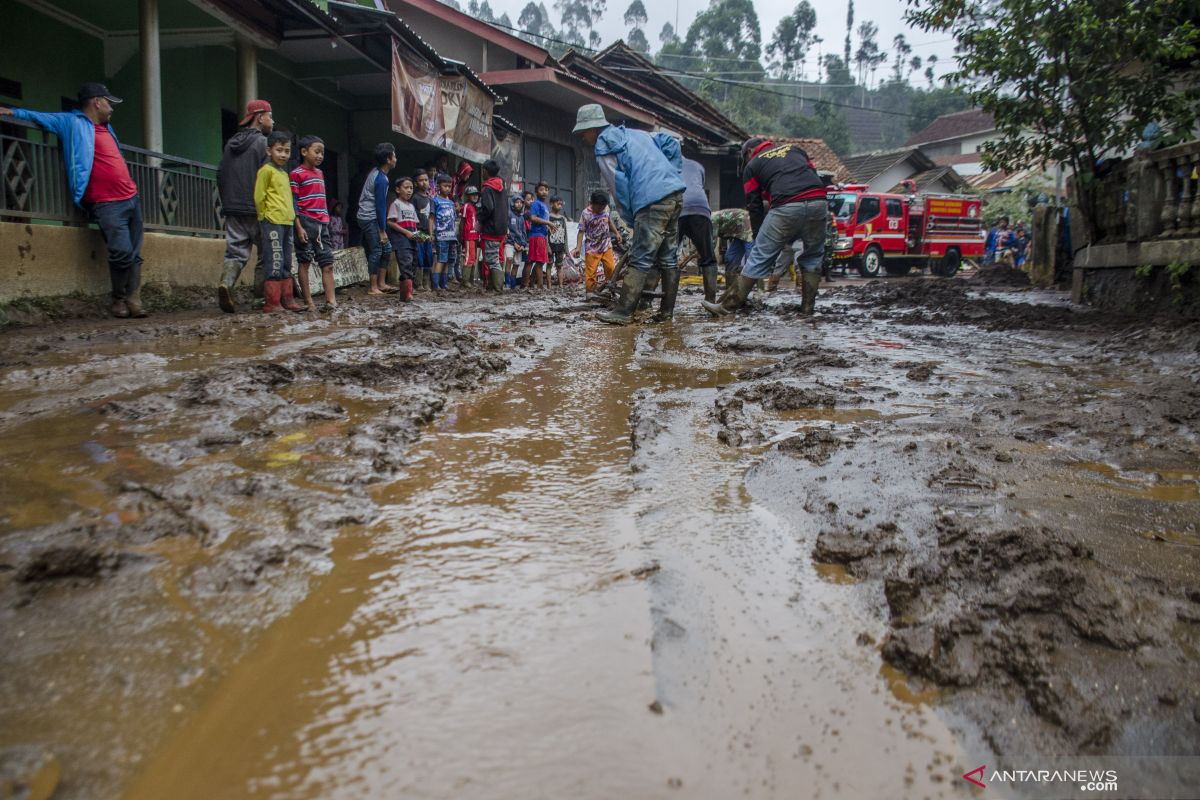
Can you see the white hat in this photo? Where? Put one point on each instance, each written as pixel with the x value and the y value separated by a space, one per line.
pixel 590 116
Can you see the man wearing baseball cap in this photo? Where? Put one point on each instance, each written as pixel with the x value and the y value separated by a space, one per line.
pixel 244 153
pixel 643 173
pixel 101 184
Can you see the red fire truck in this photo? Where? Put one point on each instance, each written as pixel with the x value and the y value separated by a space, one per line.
pixel 896 232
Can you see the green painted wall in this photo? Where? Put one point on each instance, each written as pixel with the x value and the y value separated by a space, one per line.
pixel 49 59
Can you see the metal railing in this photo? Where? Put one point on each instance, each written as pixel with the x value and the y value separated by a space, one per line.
pixel 177 195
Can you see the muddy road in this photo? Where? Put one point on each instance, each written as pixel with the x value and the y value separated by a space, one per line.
pixel 481 548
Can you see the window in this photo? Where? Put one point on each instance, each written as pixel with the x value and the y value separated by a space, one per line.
pixel 895 208
pixel 868 209
pixel 554 164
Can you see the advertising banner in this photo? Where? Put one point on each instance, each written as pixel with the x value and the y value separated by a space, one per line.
pixel 417 100
pixel 467 114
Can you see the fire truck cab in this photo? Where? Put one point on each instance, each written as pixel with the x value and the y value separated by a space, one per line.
pixel 882 231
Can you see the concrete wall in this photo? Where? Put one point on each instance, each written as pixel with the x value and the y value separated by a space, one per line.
pixel 47 260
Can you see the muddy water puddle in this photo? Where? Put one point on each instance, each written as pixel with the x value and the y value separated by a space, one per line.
pixel 526 618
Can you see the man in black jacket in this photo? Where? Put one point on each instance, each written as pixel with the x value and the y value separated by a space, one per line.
pixel 493 224
pixel 784 176
pixel 244 153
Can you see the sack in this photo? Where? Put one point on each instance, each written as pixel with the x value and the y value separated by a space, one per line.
pixel 572 270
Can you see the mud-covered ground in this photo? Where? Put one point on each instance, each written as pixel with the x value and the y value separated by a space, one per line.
pixel 1010 483
pixel 1017 484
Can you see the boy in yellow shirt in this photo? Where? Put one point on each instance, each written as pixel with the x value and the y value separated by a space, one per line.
pixel 277 216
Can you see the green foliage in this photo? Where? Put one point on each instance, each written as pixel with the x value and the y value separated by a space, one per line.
pixel 1176 272
pixel 1015 204
pixel 792 40
pixel 636 38
pixel 826 122
pixel 927 105
pixel 1072 81
pixel 1144 271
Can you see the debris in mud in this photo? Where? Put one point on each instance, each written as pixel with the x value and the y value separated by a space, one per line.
pixel 646 570
pixel 1000 275
pixel 736 428
pixel 961 475
pixel 800 360
pixel 781 396
pixel 817 447
pixel 67 561
pixel 919 371
pixel 1043 605
pixel 656 708
pixel 850 546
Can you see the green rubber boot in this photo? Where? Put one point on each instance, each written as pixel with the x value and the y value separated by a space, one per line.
pixel 734 298
pixel 229 278
pixel 631 293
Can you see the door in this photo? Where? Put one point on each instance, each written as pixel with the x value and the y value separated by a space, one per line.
pixel 895 224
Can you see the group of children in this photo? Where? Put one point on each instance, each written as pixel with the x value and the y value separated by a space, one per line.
pixel 434 237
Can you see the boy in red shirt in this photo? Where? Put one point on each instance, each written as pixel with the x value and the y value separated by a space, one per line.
pixel 470 229
pixel 312 221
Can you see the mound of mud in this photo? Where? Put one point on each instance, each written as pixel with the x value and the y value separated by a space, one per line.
pixel 1000 275
pixel 944 302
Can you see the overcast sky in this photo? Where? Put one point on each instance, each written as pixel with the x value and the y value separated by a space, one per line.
pixel 831 23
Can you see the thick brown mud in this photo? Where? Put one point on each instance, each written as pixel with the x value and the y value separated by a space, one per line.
pixel 492 549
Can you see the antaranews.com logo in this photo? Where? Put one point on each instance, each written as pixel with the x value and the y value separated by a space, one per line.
pixel 1084 780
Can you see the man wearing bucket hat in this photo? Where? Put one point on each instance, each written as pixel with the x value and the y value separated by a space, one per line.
pixel 101 184
pixel 642 171
pixel 244 153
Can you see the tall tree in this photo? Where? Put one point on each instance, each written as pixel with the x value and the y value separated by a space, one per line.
pixel 900 52
pixel 868 55
pixel 1071 82
pixel 826 122
pixel 792 40
pixel 535 23
pixel 635 20
pixel 849 29
pixel 667 34
pixel 578 18
pixel 930 64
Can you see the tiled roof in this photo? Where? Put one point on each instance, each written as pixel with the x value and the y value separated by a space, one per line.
pixel 958 158
pixel 951 126
pixel 867 167
pixel 938 177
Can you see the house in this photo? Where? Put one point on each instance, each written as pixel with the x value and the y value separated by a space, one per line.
pixel 885 170
pixel 954 140
pixel 185 69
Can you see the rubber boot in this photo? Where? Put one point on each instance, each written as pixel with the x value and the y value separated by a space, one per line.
pixel 272 294
pixel 773 283
pixel 229 278
pixel 496 279
pixel 288 295
pixel 812 280
pixel 710 282
pixel 119 309
pixel 670 289
pixel 631 293
pixel 406 289
pixel 133 304
pixel 734 298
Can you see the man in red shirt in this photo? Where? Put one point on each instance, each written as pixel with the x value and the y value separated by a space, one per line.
pixel 101 184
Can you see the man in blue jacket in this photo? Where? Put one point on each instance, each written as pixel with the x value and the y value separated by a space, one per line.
pixel 643 173
pixel 101 184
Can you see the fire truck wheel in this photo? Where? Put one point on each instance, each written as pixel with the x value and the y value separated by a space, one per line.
pixel 897 269
pixel 871 263
pixel 948 266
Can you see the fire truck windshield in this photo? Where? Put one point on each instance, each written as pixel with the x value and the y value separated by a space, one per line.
pixel 842 205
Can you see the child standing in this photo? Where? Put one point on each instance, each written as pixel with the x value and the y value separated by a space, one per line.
pixel 276 216
pixel 312 221
pixel 517 241
pixel 445 231
pixel 421 200
pixel 372 218
pixel 405 234
pixel 470 229
pixel 493 225
pixel 597 231
pixel 539 228
pixel 558 240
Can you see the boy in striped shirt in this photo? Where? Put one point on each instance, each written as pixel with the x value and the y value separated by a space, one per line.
pixel 312 220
